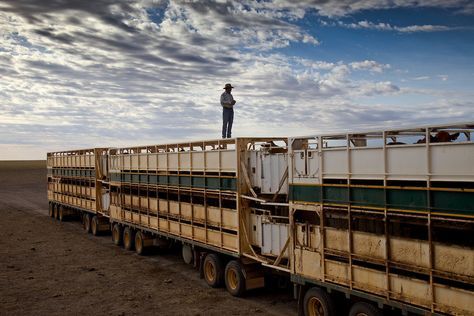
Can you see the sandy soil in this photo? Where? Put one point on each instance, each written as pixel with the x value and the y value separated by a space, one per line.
pixel 53 268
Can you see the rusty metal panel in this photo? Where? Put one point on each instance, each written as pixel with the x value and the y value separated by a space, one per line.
pixel 454 301
pixel 154 222
pixel 186 210
pixel 410 251
pixel 229 219
pixel 308 263
pixel 337 272
pixel 454 259
pixel 163 224
pixel 369 245
pixel 336 239
pixel 199 212
pixel 369 279
pixel 230 241
pixel 410 290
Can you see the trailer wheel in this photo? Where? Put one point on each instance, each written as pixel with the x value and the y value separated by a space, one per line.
pixel 117 235
pixel 213 270
pixel 318 303
pixel 61 213
pixel 56 212
pixel 139 244
pixel 51 210
pixel 234 278
pixel 95 225
pixel 128 238
pixel 364 309
pixel 187 253
pixel 87 223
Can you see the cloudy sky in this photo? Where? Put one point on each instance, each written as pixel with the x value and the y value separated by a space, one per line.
pixel 79 74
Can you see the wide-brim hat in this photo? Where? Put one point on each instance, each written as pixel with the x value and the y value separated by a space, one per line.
pixel 228 86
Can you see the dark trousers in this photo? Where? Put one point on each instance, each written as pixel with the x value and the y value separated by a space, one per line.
pixel 227 119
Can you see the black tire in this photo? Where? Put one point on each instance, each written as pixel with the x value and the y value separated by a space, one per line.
pixel 117 236
pixel 365 309
pixel 318 302
pixel 187 253
pixel 213 270
pixel 234 278
pixel 139 245
pixel 87 222
pixel 61 213
pixel 51 210
pixel 128 238
pixel 56 212
pixel 95 225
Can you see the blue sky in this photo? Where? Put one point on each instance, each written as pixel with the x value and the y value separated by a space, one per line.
pixel 79 74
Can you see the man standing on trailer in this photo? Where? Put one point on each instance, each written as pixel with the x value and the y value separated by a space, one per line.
pixel 227 102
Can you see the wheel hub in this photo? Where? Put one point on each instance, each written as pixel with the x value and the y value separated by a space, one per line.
pixel 315 307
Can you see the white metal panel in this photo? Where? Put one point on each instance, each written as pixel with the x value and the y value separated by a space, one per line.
pixel 212 160
pixel 173 161
pixel 299 162
pixel 254 166
pixel 452 162
pixel 274 166
pixel 143 161
pixel 126 161
pixel 90 161
pixel 105 200
pixel 152 159
pixel 228 160
pixel 162 161
pixel 134 161
pixel 312 158
pixel 335 163
pixel 407 162
pixel 256 229
pixel 367 163
pixel 274 238
pixel 184 161
pixel 198 160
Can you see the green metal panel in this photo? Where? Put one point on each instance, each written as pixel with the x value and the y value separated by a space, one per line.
pixel 173 180
pixel 213 183
pixel 198 182
pixel 228 184
pixel 368 196
pixel 163 180
pixel 338 195
pixel 457 202
pixel 185 181
pixel 305 193
pixel 135 178
pixel 460 203
pixel 407 199
pixel 153 179
pixel 143 178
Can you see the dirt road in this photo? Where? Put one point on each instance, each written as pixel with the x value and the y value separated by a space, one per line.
pixel 53 268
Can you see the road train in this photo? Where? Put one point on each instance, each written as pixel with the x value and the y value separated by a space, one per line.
pixel 382 219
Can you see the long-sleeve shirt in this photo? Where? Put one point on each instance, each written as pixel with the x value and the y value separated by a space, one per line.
pixel 226 100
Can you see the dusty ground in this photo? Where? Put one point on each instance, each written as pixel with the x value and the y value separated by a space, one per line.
pixel 53 268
